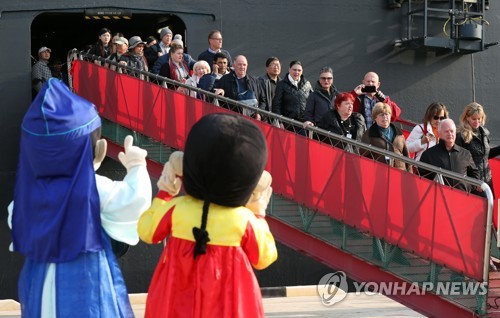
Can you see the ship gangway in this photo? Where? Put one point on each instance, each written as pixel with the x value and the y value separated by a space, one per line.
pixel 373 222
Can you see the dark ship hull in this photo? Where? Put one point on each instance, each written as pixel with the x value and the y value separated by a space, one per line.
pixel 352 37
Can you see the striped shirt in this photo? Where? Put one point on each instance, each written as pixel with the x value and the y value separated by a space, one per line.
pixel 40 74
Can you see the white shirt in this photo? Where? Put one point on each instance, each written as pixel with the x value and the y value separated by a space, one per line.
pixel 294 82
pixel 414 140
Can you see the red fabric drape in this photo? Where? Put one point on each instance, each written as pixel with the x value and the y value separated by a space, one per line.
pixel 438 223
pixel 495 173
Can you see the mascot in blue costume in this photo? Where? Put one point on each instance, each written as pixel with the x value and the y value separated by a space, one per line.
pixel 64 216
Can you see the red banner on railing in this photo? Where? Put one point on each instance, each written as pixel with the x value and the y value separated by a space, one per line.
pixel 436 222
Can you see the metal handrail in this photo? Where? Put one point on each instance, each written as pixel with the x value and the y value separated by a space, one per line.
pixel 440 173
pixel 292 122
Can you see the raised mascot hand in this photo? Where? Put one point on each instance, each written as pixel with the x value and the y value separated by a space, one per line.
pixel 170 179
pixel 261 195
pixel 133 155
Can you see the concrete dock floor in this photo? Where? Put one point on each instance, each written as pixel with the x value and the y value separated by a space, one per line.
pixel 303 303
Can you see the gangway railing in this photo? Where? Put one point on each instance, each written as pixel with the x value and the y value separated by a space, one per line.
pixel 361 208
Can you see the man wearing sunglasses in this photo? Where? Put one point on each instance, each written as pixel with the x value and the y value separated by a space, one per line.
pixel 321 100
pixel 368 94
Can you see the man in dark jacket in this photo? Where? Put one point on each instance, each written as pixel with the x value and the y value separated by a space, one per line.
pixel 447 155
pixel 214 46
pixel 321 100
pixel 161 48
pixel 240 86
pixel 269 80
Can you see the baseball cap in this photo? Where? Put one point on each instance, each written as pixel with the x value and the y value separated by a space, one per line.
pixel 121 40
pixel 43 49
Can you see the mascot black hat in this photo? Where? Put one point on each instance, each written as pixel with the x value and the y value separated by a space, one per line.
pixel 224 157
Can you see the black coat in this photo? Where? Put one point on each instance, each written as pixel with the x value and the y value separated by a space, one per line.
pixel 479 148
pixel 458 160
pixel 289 100
pixel 135 61
pixel 330 122
pixel 99 50
pixel 267 88
pixel 319 103
pixel 228 84
pixel 209 57
pixel 151 54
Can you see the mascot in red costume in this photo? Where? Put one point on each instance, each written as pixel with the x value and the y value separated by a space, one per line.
pixel 216 232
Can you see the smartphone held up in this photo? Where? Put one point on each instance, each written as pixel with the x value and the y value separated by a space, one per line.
pixel 369 89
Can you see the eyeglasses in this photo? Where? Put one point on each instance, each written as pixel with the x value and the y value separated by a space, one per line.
pixel 326 78
pixel 216 39
pixel 440 118
pixel 384 115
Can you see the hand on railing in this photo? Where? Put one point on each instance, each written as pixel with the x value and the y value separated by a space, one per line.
pixel 308 123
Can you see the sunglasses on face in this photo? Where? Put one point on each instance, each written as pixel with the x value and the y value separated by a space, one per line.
pixel 440 118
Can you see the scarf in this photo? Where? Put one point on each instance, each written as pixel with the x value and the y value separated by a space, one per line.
pixel 178 72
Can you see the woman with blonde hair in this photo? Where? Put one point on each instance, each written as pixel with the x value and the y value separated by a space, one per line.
pixel 200 68
pixel 425 135
pixel 473 136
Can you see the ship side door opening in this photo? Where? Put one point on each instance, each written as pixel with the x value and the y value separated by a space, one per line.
pixel 62 31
